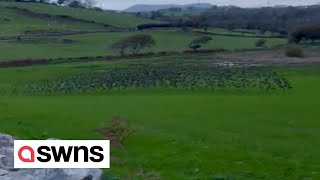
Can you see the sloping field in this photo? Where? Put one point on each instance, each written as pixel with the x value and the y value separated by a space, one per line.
pixel 111 18
pixel 16 22
pixel 99 44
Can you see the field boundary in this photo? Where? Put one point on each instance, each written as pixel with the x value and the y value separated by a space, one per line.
pixel 62 33
pixel 238 35
pixel 33 62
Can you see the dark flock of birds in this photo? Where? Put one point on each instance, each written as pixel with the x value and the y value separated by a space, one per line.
pixel 173 77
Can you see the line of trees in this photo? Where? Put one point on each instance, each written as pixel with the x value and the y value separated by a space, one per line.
pixel 305 32
pixel 273 19
pixel 134 44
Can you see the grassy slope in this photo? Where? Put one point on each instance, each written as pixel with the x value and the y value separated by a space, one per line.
pixel 13 23
pixel 98 44
pixel 186 134
pixel 92 44
pixel 112 18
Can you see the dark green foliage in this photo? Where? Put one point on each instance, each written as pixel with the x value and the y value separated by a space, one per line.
pixel 76 4
pixel 294 51
pixel 106 176
pixel 308 31
pixel 274 19
pixel 134 43
pixel 198 42
pixel 173 77
pixel 261 43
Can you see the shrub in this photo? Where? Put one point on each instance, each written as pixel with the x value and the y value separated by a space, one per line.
pixel 116 132
pixel 294 51
pixel 135 43
pixel 198 42
pixel 261 43
pixel 308 31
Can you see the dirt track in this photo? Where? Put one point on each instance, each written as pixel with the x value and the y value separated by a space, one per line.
pixel 271 57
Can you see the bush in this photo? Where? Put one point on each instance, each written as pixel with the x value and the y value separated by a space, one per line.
pixel 261 43
pixel 198 42
pixel 294 51
pixel 135 43
pixel 116 132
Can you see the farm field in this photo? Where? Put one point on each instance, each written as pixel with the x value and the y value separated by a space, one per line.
pixel 13 22
pixel 98 44
pixel 236 135
pixel 225 103
pixel 111 18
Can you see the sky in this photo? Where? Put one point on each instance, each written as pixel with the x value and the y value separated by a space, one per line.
pixel 123 4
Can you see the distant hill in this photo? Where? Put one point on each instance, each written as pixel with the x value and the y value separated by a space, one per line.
pixel 148 8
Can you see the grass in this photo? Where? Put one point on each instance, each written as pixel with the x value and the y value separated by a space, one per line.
pixel 111 18
pixel 99 44
pixel 180 134
pixel 13 23
pixel 185 134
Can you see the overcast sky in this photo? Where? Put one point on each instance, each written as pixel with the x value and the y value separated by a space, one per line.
pixel 122 4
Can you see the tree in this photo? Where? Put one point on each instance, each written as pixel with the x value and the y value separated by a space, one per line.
pixel 89 3
pixel 155 15
pixel 61 2
pixel 76 4
pixel 198 42
pixel 44 1
pixel 261 43
pixel 308 31
pixel 134 43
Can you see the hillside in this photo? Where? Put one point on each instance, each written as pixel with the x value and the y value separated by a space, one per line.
pixel 97 44
pixel 109 18
pixel 276 19
pixel 16 22
pixel 148 8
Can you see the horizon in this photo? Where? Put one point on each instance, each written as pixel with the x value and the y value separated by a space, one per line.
pixel 124 4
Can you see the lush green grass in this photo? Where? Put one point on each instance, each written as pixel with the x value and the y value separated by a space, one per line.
pixel 181 135
pixel 99 44
pixel 111 18
pixel 14 23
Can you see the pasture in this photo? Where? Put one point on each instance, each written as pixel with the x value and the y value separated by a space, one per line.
pixel 14 22
pixel 181 134
pixel 111 18
pixel 245 113
pixel 98 44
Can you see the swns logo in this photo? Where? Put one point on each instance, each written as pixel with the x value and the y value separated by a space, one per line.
pixel 61 154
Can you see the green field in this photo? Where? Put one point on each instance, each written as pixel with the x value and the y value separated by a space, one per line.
pixel 15 23
pixel 41 44
pixel 192 118
pixel 181 134
pixel 111 18
pixel 99 44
